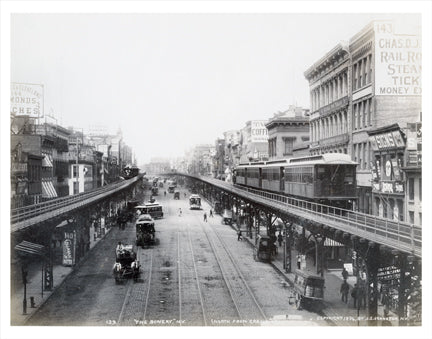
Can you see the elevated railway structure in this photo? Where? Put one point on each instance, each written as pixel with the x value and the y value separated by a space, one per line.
pixel 385 252
pixel 62 226
pixel 28 216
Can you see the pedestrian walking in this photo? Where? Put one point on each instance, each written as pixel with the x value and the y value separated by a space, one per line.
pixel 361 296
pixel 165 193
pixel 344 274
pixel 211 213
pixel 355 295
pixel 344 290
pixel 280 238
pixel 298 261
pixel 239 235
pixel 180 212
pixel 205 216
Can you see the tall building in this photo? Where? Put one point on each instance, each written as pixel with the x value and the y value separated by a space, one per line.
pixel 364 94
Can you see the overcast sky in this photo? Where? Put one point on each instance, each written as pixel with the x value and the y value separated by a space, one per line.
pixel 171 81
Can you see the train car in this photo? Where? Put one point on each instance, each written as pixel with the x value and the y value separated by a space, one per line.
pixel 130 172
pixel 327 178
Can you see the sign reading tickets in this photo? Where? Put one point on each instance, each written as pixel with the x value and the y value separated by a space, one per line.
pixel 26 100
pixel 398 59
pixel 259 132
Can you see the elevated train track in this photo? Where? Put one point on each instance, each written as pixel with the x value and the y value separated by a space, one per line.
pixel 393 234
pixel 30 215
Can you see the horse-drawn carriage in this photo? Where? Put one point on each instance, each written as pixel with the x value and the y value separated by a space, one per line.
pixel 227 217
pixel 126 265
pixel 265 248
pixel 308 290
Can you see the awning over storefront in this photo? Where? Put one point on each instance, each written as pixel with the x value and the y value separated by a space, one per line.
pixel 48 190
pixel 46 161
pixel 27 247
pixel 331 243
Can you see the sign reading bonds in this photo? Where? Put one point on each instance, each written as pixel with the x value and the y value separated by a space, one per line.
pixel 26 100
pixel 398 59
pixel 259 132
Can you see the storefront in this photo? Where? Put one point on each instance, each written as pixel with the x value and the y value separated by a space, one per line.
pixel 388 182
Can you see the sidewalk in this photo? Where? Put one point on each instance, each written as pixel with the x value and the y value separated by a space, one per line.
pixel 34 285
pixel 335 311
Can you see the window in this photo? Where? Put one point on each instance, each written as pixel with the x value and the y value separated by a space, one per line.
pixel 355 77
pixel 420 189
pixel 360 115
pixel 411 188
pixel 355 116
pixel 360 70
pixel 420 218
pixel 75 171
pixel 366 69
pixel 370 69
pixel 288 146
pixel 411 217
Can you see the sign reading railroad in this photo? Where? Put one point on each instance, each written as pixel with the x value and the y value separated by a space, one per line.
pixel 26 100
pixel 398 58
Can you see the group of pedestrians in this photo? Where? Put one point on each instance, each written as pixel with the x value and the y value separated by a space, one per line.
pixel 210 215
pixel 358 292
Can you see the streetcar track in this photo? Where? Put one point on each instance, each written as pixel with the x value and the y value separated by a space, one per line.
pixel 196 278
pixel 241 275
pixel 179 275
pixel 125 301
pixel 231 290
pixel 148 288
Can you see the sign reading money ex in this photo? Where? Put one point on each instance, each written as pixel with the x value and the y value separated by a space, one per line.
pixel 26 100
pixel 398 59
pixel 259 132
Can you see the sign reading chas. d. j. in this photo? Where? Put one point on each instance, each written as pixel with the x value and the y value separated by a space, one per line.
pixel 26 100
pixel 398 58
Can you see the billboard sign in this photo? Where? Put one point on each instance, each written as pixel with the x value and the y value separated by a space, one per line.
pixel 26 100
pixel 259 132
pixel 398 58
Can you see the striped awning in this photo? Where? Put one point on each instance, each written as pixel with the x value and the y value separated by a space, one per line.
pixel 46 161
pixel 331 243
pixel 48 190
pixel 27 247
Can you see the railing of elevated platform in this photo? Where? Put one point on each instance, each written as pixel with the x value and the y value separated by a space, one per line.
pixel 392 233
pixel 28 212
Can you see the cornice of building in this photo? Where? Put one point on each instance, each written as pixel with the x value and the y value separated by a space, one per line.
pixel 336 52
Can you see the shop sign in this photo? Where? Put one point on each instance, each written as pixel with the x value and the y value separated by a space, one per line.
pixel 397 137
pixel 69 245
pixel 374 171
pixel 388 168
pixel 395 167
pixel 388 187
pixel 18 167
pixel 259 132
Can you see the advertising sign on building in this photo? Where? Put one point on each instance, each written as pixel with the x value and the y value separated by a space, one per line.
pixel 26 100
pixel 398 54
pixel 259 132
pixel 69 245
